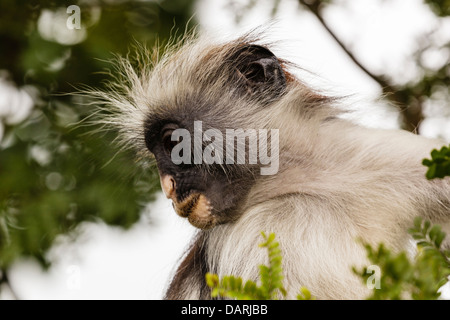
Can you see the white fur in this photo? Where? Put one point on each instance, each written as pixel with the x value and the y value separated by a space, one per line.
pixel 356 185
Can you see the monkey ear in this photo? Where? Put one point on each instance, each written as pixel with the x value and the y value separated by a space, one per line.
pixel 261 70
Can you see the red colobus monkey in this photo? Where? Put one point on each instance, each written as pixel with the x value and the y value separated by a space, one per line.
pixel 328 181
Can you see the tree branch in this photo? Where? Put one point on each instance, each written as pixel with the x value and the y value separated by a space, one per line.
pixel 411 116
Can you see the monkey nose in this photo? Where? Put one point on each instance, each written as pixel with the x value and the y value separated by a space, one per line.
pixel 168 186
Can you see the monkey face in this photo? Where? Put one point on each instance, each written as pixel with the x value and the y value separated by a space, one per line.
pixel 205 192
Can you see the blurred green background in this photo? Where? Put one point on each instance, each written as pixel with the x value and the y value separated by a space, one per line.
pixel 55 174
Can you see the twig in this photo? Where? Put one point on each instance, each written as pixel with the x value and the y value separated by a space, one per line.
pixel 411 117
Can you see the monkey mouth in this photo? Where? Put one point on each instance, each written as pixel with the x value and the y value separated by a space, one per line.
pixel 187 206
pixel 197 209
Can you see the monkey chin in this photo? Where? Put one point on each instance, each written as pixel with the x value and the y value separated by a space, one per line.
pixel 197 209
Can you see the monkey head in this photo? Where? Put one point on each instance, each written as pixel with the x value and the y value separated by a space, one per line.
pixel 212 91
pixel 180 109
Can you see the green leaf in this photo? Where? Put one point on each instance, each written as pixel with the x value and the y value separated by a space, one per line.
pixel 438 241
pixel 418 223
pixel 431 173
pixel 439 164
pixel 304 294
pixel 426 226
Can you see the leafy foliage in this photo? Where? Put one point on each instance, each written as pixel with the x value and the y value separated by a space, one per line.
pixel 439 164
pixel 440 7
pixel 305 294
pixel 271 278
pixel 272 275
pixel 427 236
pixel 403 278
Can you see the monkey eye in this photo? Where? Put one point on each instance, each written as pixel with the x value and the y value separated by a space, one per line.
pixel 166 139
pixel 167 142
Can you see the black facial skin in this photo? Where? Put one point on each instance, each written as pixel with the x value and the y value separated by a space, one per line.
pixel 225 191
pixel 261 76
